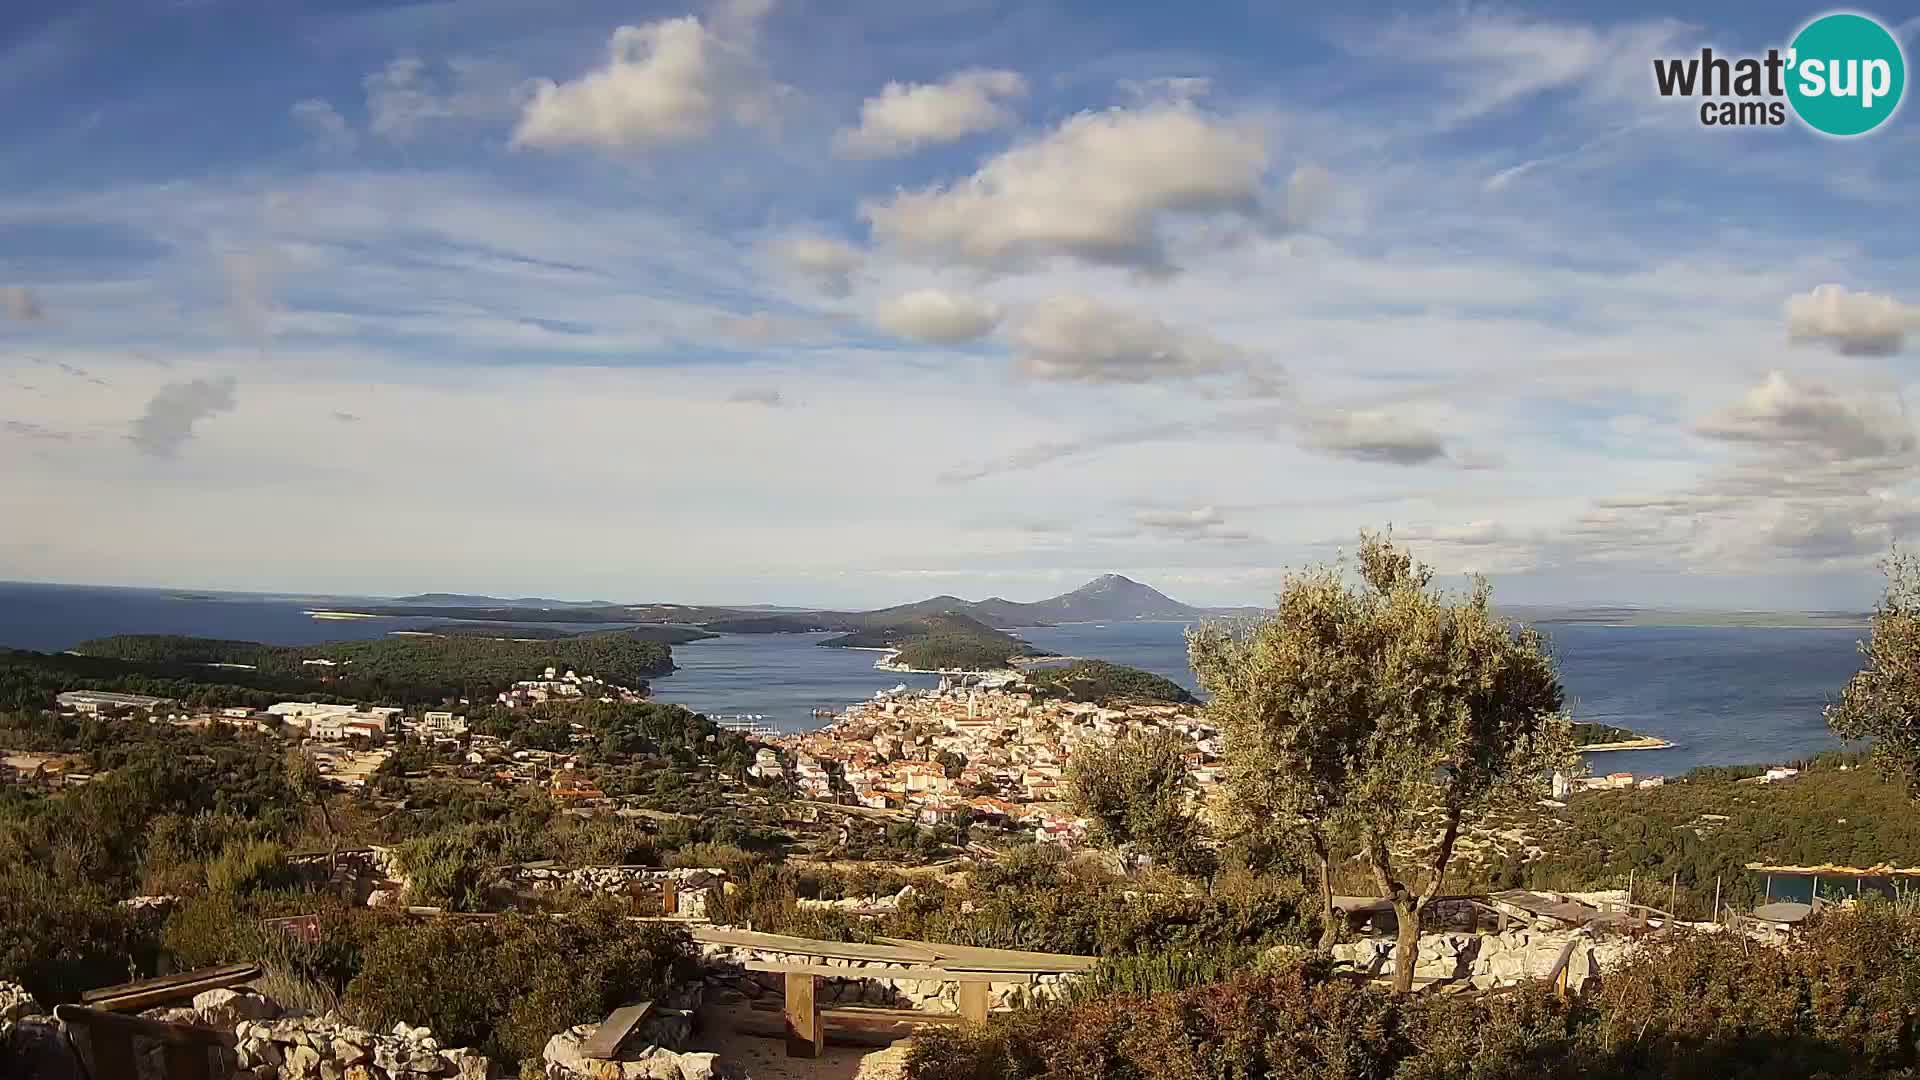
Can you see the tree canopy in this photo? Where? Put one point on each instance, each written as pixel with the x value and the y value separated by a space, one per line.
pixel 1135 791
pixel 1375 715
pixel 1882 700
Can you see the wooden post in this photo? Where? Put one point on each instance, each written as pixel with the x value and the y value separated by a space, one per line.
pixel 973 1001
pixel 804 1037
pixel 1673 902
pixel 1716 898
pixel 669 897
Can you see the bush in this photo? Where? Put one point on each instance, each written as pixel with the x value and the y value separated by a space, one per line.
pixel 1842 1001
pixel 58 938
pixel 508 984
pixel 246 867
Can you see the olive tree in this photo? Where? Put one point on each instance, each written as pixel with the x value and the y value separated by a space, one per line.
pixel 1374 716
pixel 1882 700
pixel 1136 793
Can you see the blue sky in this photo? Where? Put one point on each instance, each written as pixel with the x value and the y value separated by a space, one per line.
pixel 853 303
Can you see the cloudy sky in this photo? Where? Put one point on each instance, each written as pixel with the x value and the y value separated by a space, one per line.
pixel 854 302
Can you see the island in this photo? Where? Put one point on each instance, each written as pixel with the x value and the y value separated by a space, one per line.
pixel 1106 684
pixel 936 642
pixel 1597 738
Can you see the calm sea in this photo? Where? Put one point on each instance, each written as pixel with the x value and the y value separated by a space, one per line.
pixel 1725 695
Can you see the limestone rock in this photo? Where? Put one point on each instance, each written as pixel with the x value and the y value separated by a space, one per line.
pixel 16 1003
pixel 225 1008
pixel 888 1064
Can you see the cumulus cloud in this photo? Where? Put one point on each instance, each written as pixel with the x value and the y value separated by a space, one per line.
pixel 20 304
pixel 407 96
pixel 1200 523
pixel 168 423
pixel 1374 435
pixel 937 316
pixel 330 131
pixel 827 262
pixel 1853 323
pixel 1784 414
pixel 663 82
pixel 1075 338
pixel 757 395
pixel 908 116
pixel 1096 189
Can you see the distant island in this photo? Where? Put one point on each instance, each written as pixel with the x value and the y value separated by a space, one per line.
pixel 1596 738
pixel 1106 684
pixel 409 670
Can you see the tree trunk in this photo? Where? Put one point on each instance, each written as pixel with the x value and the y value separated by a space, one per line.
pixel 1406 946
pixel 1329 925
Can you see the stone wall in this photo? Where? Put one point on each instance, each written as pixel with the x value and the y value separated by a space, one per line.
pixel 691 882
pixel 865 983
pixel 1489 960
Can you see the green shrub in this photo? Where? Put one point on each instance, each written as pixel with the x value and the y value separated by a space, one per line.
pixel 58 938
pixel 508 984
pixel 246 867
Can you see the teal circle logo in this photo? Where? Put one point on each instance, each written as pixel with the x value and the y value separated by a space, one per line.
pixel 1845 74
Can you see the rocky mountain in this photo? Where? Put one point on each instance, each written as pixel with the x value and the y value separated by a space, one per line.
pixel 1106 598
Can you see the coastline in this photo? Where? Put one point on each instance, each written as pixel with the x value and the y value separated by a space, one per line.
pixel 324 614
pixel 887 663
pixel 1644 742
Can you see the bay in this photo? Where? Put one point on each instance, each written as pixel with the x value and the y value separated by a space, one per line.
pixel 1723 695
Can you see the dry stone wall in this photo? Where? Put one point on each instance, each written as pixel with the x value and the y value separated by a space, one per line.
pixel 1489 960
pixel 866 982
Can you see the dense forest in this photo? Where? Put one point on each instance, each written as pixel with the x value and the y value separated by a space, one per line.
pixel 1106 683
pixel 405 670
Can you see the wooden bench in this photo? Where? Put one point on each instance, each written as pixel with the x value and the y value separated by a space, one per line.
pixel 182 986
pixel 806 1038
pixel 110 1035
pixel 604 1043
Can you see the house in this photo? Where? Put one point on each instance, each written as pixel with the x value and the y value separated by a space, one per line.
pixel 766 765
pixel 93 702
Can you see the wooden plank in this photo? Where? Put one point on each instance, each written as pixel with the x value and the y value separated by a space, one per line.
pixel 974 958
pixel 839 950
pixel 862 1026
pixel 146 993
pixel 802 1015
pixel 669 897
pixel 924 974
pixel 973 1001
pixel 163 1031
pixel 604 1043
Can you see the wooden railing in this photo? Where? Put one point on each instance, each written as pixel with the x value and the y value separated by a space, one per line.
pixel 186 1049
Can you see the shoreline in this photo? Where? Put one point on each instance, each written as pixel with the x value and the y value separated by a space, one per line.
pixel 886 663
pixel 324 614
pixel 1644 742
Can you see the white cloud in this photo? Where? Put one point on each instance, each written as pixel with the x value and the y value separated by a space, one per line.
pixel 1374 435
pixel 20 304
pixel 1806 418
pixel 664 82
pixel 1310 193
pixel 908 116
pixel 1200 523
pixel 330 131
pixel 167 424
pixel 1075 338
pixel 1853 323
pixel 406 97
pixel 827 262
pixel 938 316
pixel 1096 189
